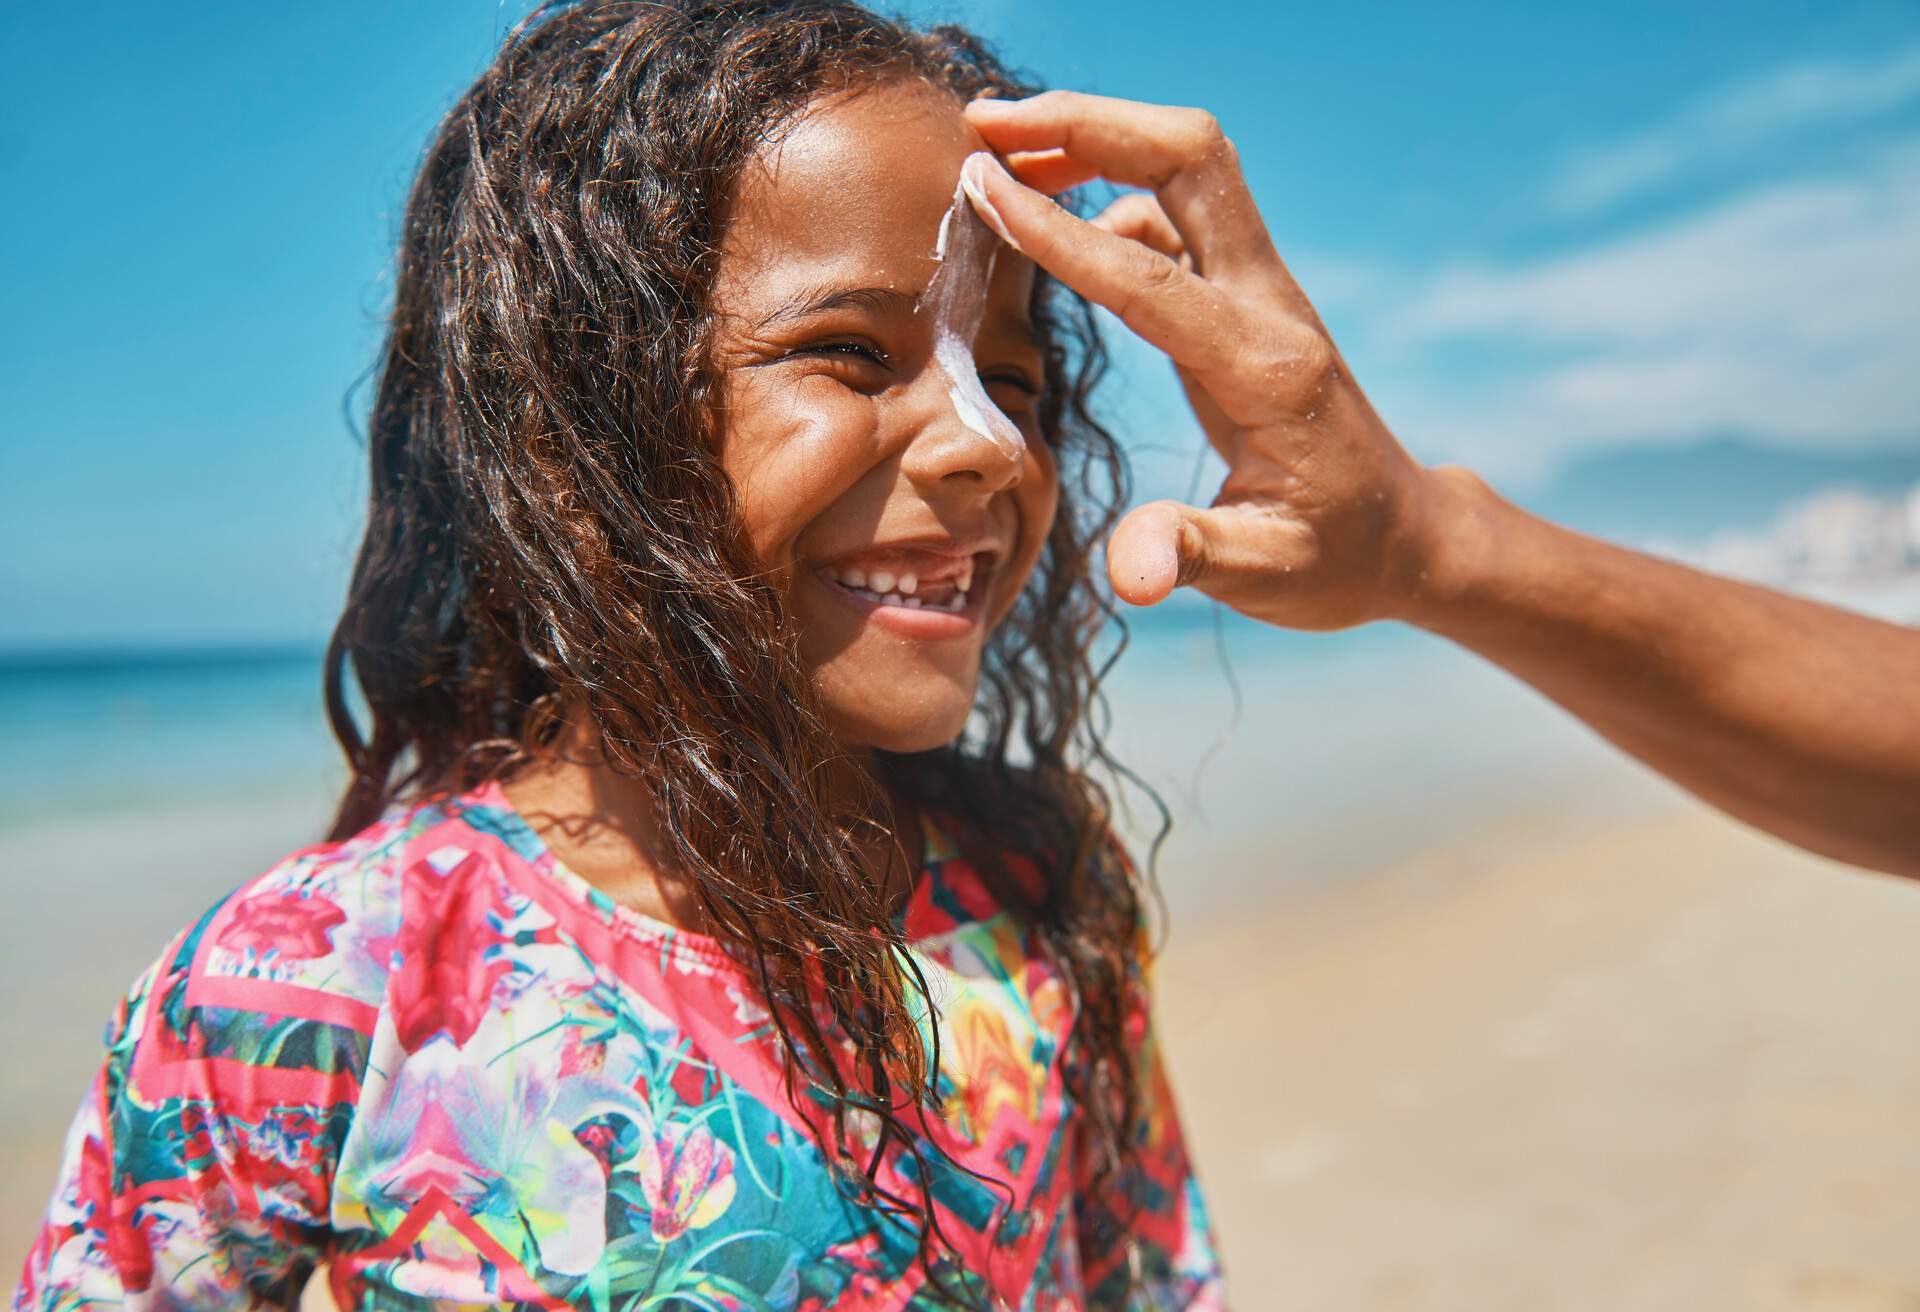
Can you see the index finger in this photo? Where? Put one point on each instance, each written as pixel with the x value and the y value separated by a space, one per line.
pixel 1181 154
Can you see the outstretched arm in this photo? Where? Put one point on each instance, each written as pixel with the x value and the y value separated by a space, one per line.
pixel 1796 717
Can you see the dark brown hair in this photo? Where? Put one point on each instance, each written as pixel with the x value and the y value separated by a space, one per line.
pixel 550 528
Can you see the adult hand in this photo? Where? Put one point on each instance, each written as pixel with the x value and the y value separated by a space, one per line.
pixel 1802 719
pixel 1317 522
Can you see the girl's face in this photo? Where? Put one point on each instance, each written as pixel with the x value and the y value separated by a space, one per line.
pixel 857 480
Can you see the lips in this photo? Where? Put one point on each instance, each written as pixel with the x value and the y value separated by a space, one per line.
pixel 938 581
pixel 937 585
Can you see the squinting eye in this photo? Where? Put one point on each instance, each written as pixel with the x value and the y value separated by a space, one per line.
pixel 850 350
pixel 1012 378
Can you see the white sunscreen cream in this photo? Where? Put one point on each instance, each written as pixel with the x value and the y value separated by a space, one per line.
pixel 956 300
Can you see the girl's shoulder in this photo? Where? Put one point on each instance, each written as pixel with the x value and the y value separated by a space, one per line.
pixel 288 973
pixel 235 1064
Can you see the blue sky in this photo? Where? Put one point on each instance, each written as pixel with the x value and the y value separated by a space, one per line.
pixel 1536 230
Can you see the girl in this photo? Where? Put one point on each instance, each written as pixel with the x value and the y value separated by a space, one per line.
pixel 719 914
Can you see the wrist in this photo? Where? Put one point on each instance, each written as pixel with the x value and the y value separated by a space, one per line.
pixel 1447 549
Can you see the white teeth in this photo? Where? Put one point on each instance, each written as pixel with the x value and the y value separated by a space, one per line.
pixel 888 589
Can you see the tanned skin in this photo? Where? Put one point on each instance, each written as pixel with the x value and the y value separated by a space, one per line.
pixel 845 450
pixel 1798 718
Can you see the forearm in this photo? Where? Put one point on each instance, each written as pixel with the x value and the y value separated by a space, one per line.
pixel 1796 717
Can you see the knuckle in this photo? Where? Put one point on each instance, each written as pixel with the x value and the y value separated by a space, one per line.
pixel 1154 277
pixel 1158 274
pixel 1201 130
pixel 1192 552
pixel 1297 365
pixel 1251 362
pixel 1061 111
pixel 1314 360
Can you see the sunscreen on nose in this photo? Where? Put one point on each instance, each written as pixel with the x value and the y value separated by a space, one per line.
pixel 956 300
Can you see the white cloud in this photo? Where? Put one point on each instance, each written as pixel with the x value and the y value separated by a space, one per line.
pixel 1728 123
pixel 1846 547
pixel 1790 312
pixel 1785 310
pixel 1830 251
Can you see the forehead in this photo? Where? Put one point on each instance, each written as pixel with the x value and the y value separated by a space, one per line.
pixel 856 185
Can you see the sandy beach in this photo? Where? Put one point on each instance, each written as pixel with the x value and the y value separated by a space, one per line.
pixel 1464 1012
pixel 1669 1066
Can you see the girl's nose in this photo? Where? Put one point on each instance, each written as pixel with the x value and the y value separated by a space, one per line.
pixel 956 442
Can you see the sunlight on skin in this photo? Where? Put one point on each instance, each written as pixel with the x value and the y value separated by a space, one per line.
pixel 848 454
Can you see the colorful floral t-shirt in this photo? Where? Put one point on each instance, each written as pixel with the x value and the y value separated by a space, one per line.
pixel 454 1071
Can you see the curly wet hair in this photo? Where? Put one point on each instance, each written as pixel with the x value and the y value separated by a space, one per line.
pixel 552 541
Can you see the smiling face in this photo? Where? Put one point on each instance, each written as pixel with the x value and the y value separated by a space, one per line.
pixel 898 533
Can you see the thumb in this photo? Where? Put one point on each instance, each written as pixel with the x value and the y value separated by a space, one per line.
pixel 1155 549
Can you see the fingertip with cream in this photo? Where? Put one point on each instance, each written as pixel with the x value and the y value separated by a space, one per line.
pixel 974 175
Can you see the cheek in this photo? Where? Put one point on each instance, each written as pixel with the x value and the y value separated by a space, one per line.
pixel 792 450
pixel 1042 484
pixel 1037 497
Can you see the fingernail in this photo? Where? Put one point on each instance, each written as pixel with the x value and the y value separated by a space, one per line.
pixel 973 180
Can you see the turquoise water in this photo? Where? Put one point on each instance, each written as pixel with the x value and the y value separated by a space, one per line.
pixel 116 731
pixel 104 731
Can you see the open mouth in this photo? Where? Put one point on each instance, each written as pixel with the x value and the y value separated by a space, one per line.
pixel 947 585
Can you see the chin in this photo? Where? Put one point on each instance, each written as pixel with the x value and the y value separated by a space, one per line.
pixel 901 728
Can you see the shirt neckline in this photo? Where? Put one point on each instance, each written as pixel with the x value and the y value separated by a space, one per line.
pixel 937 847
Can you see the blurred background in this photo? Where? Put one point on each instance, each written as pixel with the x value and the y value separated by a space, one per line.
pixel 1465 1011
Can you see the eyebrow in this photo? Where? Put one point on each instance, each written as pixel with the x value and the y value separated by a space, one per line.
pixel 822 300
pixel 879 300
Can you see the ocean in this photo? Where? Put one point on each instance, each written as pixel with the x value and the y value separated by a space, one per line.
pixel 119 733
pixel 1354 745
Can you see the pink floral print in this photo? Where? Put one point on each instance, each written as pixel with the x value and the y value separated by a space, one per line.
pixel 448 1067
